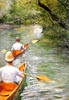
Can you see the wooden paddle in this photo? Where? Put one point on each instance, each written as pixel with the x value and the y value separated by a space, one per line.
pixel 40 77
pixel 33 41
pixel 3 51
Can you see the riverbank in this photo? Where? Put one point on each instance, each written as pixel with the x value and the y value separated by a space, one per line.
pixel 8 26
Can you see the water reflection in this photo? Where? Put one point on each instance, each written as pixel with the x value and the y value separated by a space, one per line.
pixel 54 67
pixel 39 61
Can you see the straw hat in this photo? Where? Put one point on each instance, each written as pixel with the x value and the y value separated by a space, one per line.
pixel 9 56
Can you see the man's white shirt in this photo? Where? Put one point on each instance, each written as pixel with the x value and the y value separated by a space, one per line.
pixel 9 73
pixel 17 46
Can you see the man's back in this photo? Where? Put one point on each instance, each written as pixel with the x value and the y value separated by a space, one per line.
pixel 17 46
pixel 9 73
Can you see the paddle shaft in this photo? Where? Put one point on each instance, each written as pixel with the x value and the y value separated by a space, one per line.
pixel 30 75
pixel 33 41
pixel 40 77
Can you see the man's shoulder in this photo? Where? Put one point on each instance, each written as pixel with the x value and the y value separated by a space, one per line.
pixel 2 68
pixel 15 68
pixel 17 43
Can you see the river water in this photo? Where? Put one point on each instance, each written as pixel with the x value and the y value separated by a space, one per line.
pixel 39 61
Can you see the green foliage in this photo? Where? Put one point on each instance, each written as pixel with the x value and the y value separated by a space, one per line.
pixel 29 12
pixel 22 9
pixel 4 7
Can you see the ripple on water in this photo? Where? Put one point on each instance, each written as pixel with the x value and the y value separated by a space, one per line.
pixel 43 91
pixel 35 56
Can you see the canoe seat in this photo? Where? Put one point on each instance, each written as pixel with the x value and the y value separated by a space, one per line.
pixel 4 93
pixel 16 52
pixel 6 88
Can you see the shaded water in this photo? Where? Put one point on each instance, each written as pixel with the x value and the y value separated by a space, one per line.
pixel 39 61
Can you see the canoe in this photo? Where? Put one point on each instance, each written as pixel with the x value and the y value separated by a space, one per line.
pixel 8 90
pixel 18 52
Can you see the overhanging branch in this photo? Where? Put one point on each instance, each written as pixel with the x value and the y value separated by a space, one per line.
pixel 53 16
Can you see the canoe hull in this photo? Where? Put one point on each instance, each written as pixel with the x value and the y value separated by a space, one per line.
pixel 9 95
pixel 19 52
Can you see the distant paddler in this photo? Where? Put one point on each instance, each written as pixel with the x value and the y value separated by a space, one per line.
pixel 18 48
pixel 17 45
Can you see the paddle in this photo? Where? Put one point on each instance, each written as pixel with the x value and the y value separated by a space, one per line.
pixel 33 41
pixel 3 51
pixel 40 77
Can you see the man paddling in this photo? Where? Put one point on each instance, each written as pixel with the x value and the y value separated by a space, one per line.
pixel 9 73
pixel 18 48
pixel 17 45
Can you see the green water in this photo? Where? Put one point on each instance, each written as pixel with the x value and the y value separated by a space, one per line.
pixel 40 61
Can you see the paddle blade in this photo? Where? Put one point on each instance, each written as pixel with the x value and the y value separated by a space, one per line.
pixel 43 78
pixel 3 51
pixel 34 41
